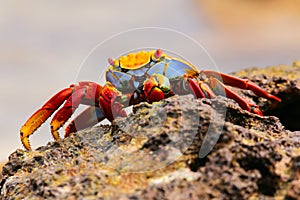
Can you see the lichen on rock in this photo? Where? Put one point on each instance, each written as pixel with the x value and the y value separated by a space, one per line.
pixel 154 152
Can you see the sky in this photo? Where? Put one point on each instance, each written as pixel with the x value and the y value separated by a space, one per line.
pixel 47 45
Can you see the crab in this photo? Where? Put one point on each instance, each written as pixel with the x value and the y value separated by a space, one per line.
pixel 142 76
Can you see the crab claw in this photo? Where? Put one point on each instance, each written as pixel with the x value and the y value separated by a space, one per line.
pixel 156 87
pixel 41 115
pixel 105 102
pixel 111 102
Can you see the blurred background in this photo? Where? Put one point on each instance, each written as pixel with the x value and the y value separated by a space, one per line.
pixel 43 43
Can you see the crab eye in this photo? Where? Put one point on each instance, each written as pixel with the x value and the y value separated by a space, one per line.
pixel 158 54
pixel 111 61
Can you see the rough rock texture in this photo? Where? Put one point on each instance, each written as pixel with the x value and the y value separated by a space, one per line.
pixel 155 152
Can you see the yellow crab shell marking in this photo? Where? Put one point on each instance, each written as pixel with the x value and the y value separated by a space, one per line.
pixel 136 60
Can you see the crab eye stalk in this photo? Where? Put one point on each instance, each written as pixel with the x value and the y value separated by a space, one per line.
pixel 111 61
pixel 157 54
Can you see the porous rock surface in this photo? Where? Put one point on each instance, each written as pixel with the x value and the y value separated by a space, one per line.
pixel 178 148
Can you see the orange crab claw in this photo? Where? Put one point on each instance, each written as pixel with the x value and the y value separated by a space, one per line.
pixel 109 102
pixel 41 115
pixel 105 102
pixel 155 87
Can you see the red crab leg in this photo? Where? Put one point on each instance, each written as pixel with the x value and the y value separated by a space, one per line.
pixel 194 86
pixel 201 89
pixel 240 83
pixel 87 118
pixel 66 111
pixel 41 115
pixel 84 93
pixel 216 83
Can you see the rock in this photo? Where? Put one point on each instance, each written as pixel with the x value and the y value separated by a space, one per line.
pixel 178 148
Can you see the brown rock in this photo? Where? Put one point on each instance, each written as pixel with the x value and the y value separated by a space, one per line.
pixel 154 152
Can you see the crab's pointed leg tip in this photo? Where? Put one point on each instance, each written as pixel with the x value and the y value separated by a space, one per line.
pixel 25 142
pixel 257 111
pixel 277 99
pixel 55 125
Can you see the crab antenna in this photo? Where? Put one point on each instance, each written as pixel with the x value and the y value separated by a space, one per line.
pixel 158 53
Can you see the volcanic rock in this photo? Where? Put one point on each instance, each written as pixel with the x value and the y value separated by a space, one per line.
pixel 178 148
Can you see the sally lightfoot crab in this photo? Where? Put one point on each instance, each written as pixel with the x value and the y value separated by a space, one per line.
pixel 142 76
